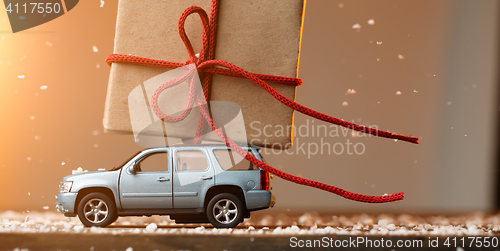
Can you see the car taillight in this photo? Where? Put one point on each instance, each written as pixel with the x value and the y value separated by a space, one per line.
pixel 264 180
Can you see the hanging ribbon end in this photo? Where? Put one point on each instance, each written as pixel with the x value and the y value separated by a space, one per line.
pixel 391 197
pixel 387 198
pixel 399 196
pixel 414 140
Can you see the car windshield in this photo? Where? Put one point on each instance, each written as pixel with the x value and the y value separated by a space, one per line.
pixel 125 162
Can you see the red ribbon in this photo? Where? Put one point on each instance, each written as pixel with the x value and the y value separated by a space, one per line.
pixel 206 66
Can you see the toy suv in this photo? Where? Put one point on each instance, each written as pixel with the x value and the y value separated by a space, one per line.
pixel 191 183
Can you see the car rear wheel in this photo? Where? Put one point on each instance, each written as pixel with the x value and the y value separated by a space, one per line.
pixel 97 210
pixel 225 211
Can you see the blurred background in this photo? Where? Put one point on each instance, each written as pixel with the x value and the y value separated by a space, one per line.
pixel 425 68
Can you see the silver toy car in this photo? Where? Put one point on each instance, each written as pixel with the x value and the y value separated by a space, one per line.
pixel 191 183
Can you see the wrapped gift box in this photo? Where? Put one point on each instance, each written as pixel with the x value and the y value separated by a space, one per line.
pixel 260 36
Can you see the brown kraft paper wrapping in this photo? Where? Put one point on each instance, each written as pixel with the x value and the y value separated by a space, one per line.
pixel 260 36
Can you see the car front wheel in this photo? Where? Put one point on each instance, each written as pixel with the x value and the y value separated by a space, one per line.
pixel 97 210
pixel 225 211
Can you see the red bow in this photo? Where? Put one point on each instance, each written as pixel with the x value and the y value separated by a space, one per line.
pixel 206 66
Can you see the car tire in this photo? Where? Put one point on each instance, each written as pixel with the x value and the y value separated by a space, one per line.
pixel 225 210
pixel 97 210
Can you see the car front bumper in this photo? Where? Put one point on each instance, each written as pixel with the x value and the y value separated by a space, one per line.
pixel 65 203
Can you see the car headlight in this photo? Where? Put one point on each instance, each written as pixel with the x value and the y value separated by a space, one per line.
pixel 65 187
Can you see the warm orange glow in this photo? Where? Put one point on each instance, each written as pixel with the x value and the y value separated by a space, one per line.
pixel 41 128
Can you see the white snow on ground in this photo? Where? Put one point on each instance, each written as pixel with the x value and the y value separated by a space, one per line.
pixel 151 227
pixel 278 224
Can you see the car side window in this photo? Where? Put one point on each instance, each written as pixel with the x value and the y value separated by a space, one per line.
pixel 232 161
pixel 191 160
pixel 156 162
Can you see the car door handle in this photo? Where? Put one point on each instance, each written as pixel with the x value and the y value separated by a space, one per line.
pixel 205 178
pixel 162 179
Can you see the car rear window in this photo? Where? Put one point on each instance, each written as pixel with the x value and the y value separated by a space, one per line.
pixel 232 161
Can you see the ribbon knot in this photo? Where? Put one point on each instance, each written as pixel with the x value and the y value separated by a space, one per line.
pixel 191 61
pixel 206 65
pixel 194 58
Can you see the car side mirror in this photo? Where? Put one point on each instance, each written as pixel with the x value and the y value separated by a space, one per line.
pixel 133 168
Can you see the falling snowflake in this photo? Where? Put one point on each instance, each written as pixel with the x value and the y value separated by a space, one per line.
pixel 371 22
pixel 344 104
pixel 401 56
pixel 62 163
pixel 20 76
pixel 350 91
pixel 102 3
pixel 43 87
pixel 32 117
pixel 398 93
pixel 356 26
pixel 49 44
pixel 379 42
pixel 94 48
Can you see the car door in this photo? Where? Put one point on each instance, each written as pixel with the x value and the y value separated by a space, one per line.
pixel 150 185
pixel 193 176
